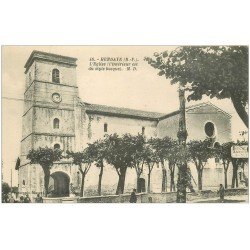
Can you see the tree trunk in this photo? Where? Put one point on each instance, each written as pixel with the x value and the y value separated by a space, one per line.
pixel 118 185
pixel 138 175
pixel 164 178
pixel 138 183
pixel 46 171
pixel 82 185
pixel 235 174
pixel 121 181
pixel 225 177
pixel 149 177
pixel 100 180
pixel 240 109
pixel 200 172
pixel 172 184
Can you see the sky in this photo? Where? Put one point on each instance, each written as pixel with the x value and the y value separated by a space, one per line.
pixel 141 89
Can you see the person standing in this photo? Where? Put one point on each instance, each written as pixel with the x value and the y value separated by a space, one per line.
pixel 221 193
pixel 39 199
pixel 133 198
pixel 11 198
pixel 27 199
pixel 21 199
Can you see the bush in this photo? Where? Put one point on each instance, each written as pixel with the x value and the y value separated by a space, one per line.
pixel 5 188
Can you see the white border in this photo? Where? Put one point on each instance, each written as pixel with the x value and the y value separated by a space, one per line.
pixel 120 226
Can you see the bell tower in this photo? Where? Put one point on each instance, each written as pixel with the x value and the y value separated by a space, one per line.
pixel 49 97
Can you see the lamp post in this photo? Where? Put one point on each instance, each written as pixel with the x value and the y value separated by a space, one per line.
pixel 182 137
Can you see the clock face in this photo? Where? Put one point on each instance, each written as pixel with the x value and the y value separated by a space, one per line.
pixel 56 97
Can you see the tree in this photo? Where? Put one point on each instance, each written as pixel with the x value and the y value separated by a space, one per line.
pixel 99 151
pixel 15 190
pixel 215 71
pixel 151 158
pixel 199 153
pixel 235 163
pixel 223 152
pixel 137 147
pixel 83 160
pixel 173 161
pixel 119 156
pixel 45 157
pixel 5 188
pixel 5 192
pixel 164 149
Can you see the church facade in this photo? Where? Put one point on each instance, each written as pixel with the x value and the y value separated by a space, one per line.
pixel 55 116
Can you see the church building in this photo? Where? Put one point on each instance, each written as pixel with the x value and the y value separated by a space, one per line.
pixel 56 117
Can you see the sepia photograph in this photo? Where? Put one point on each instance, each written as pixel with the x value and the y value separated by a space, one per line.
pixel 125 124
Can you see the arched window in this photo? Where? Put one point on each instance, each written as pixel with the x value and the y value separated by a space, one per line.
pixel 57 146
pixel 55 76
pixel 56 123
pixel 105 127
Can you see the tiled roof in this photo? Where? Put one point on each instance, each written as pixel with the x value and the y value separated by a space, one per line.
pixel 121 112
pixel 133 113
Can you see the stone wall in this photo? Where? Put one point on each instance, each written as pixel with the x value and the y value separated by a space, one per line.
pixel 44 117
pixel 44 72
pixel 120 125
pixel 146 198
pixel 168 127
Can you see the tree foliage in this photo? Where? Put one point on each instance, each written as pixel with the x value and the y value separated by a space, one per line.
pixel 151 158
pixel 119 155
pixel 199 152
pixel 45 157
pixel 137 150
pixel 5 188
pixel 166 150
pixel 83 160
pixel 223 152
pixel 99 152
pixel 214 71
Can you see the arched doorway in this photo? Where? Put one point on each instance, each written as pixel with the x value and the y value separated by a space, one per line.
pixel 61 184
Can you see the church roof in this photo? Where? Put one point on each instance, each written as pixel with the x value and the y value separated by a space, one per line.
pixel 139 114
pixel 195 106
pixel 121 112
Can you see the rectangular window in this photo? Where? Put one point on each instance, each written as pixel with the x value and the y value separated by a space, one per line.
pixel 105 127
